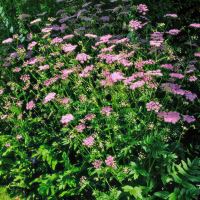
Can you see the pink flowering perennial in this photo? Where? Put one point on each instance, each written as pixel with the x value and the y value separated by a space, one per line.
pixel 106 110
pixel 89 141
pixel 97 164
pixel 142 8
pixel 66 119
pixel 49 97
pixel 82 57
pixel 170 117
pixel 110 162
pixel 135 24
pixel 153 106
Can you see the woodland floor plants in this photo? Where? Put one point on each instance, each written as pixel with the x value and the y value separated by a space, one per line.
pixel 98 103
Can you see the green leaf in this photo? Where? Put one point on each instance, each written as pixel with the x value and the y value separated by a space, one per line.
pixel 162 194
pixel 133 191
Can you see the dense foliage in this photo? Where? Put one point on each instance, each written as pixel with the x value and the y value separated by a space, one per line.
pixel 100 100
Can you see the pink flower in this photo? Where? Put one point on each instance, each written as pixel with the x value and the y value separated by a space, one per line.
pixel 31 45
pixel 97 164
pixel 190 96
pixel 7 145
pixel 36 21
pixel 33 61
pixel 65 100
pixel 194 25
pixel 140 64
pixel 192 78
pixel 57 40
pixel 142 8
pixel 82 57
pixel 174 32
pixel 1 91
pixel 106 110
pixel 89 35
pixel 66 73
pixel 125 62
pixel 89 117
pixel 153 106
pixel 176 75
pixel 137 84
pixel 89 141
pixel 44 67
pixel 51 80
pixel 25 77
pixel 30 105
pixel 197 54
pixel 49 97
pixel 68 48
pixel 116 76
pixel 188 118
pixel 16 69
pixel 156 39
pixel 80 128
pixel 168 66
pixel 171 15
pixel 105 38
pixel 46 30
pixel 86 72
pixel 170 117
pixel 135 24
pixel 108 49
pixel 67 37
pixel 66 119
pixel 7 41
pixel 110 162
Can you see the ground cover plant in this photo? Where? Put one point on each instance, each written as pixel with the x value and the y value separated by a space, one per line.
pixel 100 100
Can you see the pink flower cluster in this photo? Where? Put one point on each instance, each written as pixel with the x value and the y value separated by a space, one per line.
pixel 56 40
pixel 172 15
pixel 106 110
pixel 43 67
pixel 7 41
pixel 49 97
pixel 173 32
pixel 66 73
pixel 31 45
pixel 68 48
pixel 156 39
pixel 174 117
pixel 194 25
pixel 97 164
pixel 176 89
pixel 140 64
pixel 176 75
pixel 168 66
pixel 142 8
pixel 66 119
pixel 135 24
pixel 89 141
pixel 120 58
pixel 52 80
pixel 82 57
pixel 111 78
pixel 86 72
pixel 188 118
pixel 80 128
pixel 30 105
pixel 170 117
pixel 153 106
pixel 110 162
